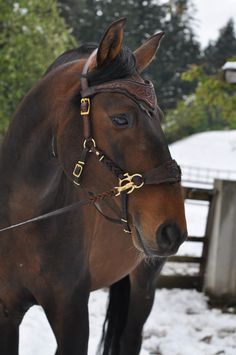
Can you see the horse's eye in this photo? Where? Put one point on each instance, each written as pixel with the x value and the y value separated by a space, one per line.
pixel 120 121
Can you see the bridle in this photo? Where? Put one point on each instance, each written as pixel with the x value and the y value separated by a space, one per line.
pixel 169 172
pixel 143 94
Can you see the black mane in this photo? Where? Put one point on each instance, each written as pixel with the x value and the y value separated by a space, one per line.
pixel 122 66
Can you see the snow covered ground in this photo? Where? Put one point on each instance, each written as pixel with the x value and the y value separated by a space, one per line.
pixel 214 149
pixel 181 322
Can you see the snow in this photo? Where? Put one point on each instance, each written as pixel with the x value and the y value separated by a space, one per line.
pixel 212 155
pixel 229 65
pixel 214 149
pixel 181 322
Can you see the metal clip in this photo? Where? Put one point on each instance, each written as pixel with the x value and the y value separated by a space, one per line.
pixel 85 106
pixel 89 143
pixel 127 184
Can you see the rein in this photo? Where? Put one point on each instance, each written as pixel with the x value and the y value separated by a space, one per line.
pixel 169 172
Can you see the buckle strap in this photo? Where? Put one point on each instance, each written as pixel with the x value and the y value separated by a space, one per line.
pixel 79 167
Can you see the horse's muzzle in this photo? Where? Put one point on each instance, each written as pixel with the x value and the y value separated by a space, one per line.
pixel 169 238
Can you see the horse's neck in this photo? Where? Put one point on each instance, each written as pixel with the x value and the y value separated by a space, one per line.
pixel 30 175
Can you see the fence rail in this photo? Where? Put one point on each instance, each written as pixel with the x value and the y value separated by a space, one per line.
pixel 206 175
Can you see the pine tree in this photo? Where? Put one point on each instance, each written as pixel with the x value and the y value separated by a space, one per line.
pixel 89 18
pixel 218 52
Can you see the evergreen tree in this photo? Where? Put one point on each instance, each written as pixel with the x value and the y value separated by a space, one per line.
pixel 32 35
pixel 89 18
pixel 218 52
pixel 178 51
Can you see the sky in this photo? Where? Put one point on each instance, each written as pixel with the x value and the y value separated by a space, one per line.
pixel 210 16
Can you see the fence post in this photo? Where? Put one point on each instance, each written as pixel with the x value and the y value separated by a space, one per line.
pixel 220 274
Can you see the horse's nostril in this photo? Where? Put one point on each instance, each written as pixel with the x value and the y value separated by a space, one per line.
pixel 168 236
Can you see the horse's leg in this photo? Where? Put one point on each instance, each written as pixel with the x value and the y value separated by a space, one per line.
pixel 142 290
pixel 130 303
pixel 9 337
pixel 68 317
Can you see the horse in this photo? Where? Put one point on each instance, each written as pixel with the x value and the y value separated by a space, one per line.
pixel 90 198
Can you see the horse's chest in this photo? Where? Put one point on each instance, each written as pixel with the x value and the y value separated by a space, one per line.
pixel 112 256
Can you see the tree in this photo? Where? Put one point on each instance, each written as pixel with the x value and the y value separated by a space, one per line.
pixel 178 51
pixel 89 18
pixel 211 107
pixel 32 34
pixel 218 52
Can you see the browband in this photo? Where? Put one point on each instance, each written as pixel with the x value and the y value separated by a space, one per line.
pixel 139 92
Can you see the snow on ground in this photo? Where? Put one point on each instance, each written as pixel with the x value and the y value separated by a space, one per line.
pixel 208 155
pixel 215 150
pixel 180 322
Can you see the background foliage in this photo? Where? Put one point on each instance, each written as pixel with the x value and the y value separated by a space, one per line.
pixel 212 106
pixel 89 18
pixel 32 34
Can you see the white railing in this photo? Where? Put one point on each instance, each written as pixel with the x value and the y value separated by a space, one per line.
pixel 206 175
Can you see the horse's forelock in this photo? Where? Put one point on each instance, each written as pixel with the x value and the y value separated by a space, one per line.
pixel 122 66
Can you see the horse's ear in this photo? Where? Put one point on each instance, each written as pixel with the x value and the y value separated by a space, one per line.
pixel 146 52
pixel 111 43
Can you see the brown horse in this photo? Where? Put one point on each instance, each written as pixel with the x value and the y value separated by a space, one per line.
pixel 90 129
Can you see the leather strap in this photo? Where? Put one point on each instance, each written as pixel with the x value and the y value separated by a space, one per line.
pixel 168 172
pixel 54 213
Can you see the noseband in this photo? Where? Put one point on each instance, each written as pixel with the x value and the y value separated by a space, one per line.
pixel 143 94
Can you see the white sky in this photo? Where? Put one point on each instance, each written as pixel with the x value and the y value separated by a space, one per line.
pixel 210 16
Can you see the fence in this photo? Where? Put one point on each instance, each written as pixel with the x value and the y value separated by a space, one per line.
pixel 206 175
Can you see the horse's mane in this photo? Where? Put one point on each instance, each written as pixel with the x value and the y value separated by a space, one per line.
pixel 122 66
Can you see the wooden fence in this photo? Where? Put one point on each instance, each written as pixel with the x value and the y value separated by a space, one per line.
pixel 192 281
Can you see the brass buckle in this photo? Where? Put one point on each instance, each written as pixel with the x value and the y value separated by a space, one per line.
pixel 127 184
pixel 78 170
pixel 85 106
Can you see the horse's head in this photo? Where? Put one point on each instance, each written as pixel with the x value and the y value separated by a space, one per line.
pixel 118 120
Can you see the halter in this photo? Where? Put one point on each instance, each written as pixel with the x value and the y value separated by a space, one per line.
pixel 144 95
pixel 168 172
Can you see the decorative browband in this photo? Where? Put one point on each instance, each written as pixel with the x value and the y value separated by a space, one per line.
pixel 139 92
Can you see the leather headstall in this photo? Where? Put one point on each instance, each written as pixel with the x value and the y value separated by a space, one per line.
pixel 143 94
pixel 169 172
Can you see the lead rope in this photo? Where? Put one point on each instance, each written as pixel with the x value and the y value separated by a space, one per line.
pixel 62 210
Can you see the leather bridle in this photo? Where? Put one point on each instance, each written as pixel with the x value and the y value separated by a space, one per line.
pixel 169 172
pixel 144 96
